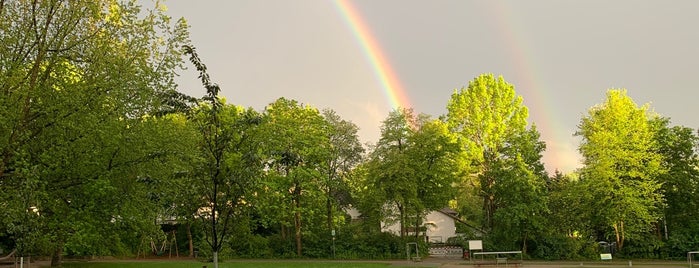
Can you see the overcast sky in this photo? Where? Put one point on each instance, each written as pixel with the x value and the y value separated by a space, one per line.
pixel 562 56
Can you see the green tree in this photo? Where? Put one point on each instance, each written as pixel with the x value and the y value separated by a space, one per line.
pixel 522 198
pixel 410 171
pixel 678 147
pixel 297 143
pixel 343 155
pixel 433 155
pixel 389 175
pixel 231 160
pixel 621 166
pixel 79 80
pixel 503 158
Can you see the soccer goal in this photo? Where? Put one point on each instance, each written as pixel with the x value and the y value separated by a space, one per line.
pixel 409 249
pixel 691 258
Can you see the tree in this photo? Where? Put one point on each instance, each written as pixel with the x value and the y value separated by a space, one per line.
pixel 231 160
pixel 389 174
pixel 344 153
pixel 433 155
pixel 410 170
pixel 79 81
pixel 621 166
pixel 503 155
pixel 678 147
pixel 297 144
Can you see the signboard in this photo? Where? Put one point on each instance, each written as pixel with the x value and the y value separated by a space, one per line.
pixel 605 256
pixel 475 245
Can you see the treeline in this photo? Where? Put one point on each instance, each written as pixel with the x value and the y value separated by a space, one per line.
pixel 100 155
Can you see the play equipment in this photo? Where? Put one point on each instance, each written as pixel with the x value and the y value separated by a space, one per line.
pixel 408 249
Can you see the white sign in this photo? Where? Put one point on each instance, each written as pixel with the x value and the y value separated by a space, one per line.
pixel 475 245
pixel 605 256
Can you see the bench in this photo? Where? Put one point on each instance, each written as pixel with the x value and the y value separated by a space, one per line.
pixel 497 262
pixel 500 258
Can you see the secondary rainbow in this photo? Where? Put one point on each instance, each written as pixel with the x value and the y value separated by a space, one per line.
pixel 394 92
pixel 558 155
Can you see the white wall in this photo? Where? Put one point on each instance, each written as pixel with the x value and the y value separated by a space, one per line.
pixel 439 226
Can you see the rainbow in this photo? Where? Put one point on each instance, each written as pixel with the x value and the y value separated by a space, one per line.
pixel 560 153
pixel 394 92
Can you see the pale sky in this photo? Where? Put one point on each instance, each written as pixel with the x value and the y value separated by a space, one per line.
pixel 561 56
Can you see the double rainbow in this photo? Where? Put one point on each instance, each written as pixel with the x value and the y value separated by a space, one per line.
pixel 524 64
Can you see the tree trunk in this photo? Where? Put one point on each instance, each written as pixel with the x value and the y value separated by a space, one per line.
pixel 417 227
pixel 57 256
pixel 297 224
pixel 329 207
pixel 216 259
pixel 619 234
pixel 401 211
pixel 283 231
pixel 190 240
pixel 620 244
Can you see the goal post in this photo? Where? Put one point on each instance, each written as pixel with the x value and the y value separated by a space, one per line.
pixel 691 258
pixel 412 246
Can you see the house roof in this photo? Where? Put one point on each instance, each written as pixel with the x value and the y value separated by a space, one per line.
pixel 455 215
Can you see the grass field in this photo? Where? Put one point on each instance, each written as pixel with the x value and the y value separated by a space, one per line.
pixel 359 264
pixel 252 264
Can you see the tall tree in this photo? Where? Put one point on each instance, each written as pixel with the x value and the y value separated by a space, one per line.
pixel 433 154
pixel 389 174
pixel 79 81
pixel 411 170
pixel 231 158
pixel 297 143
pixel 491 121
pixel 344 153
pixel 678 146
pixel 621 165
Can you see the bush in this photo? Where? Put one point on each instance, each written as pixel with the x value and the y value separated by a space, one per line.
pixel 558 247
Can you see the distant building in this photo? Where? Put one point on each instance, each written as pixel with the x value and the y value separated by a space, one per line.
pixel 437 226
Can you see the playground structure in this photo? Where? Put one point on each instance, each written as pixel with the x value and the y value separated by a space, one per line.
pixel 690 258
pixel 8 258
pixel 160 246
pixel 408 248
pixel 18 261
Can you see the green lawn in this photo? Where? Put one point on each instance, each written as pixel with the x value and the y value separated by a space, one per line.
pixel 251 264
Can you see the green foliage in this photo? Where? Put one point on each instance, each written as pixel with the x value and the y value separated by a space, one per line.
pixel 621 168
pixel 561 247
pixel 502 159
pixel 231 161
pixel 79 80
pixel 410 171
pixel 297 144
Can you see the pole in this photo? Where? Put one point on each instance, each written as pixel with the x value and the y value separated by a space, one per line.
pixel 333 234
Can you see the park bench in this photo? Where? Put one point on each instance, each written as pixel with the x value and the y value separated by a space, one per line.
pixel 499 260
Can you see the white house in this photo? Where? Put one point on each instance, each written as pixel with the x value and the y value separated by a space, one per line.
pixel 439 224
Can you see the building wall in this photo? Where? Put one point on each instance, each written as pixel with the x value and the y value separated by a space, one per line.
pixel 439 227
